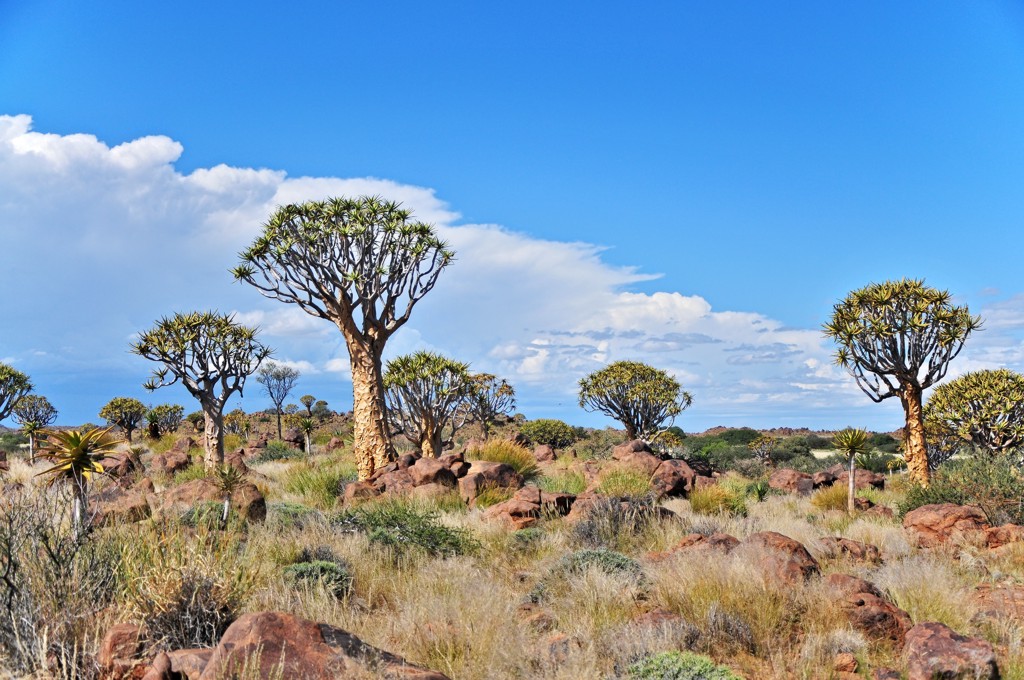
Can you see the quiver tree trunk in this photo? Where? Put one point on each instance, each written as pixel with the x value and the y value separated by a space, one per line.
pixel 372 445
pixel 213 437
pixel 851 503
pixel 80 505
pixel 914 448
pixel 431 443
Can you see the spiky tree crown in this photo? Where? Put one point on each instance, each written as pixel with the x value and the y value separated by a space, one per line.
pixel 34 412
pixel 13 386
pixel 852 441
pixel 77 454
pixel 898 333
pixel 982 408
pixel 643 398
pixel 124 412
pixel 425 386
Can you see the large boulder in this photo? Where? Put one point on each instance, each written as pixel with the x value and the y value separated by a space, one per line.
pixel 431 471
pixel 1003 602
pixel 934 650
pixel 174 460
pixel 864 479
pixel 782 558
pixel 791 481
pixel 997 537
pixel 514 513
pixel 121 464
pixel 116 505
pixel 276 644
pixel 294 437
pixel 835 546
pixel 545 453
pixel 823 478
pixel 246 500
pixel 121 651
pixel 934 525
pixel 638 455
pixel 867 609
pixel 394 482
pixel 189 664
pixel 673 478
pixel 483 474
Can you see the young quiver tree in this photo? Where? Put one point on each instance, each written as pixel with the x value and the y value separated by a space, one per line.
pixel 211 356
pixel 490 398
pixel 278 382
pixel 852 442
pixel 13 386
pixel 644 399
pixel 427 396
pixel 34 413
pixel 76 456
pixel 897 338
pixel 361 263
pixel 307 401
pixel 763 447
pixel 981 409
pixel 126 413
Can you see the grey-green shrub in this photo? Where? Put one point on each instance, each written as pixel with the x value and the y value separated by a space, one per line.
pixel 334 577
pixel 549 431
pixel 679 666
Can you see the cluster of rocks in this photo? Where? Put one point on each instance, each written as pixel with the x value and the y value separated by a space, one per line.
pixel 947 523
pixel 794 481
pixel 264 644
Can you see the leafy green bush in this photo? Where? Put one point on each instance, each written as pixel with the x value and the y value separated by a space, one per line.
pixel 508 452
pixel 277 450
pixel 12 441
pixel 568 481
pixel 401 527
pixel 875 461
pixel 334 577
pixel 679 666
pixel 993 483
pixel 549 431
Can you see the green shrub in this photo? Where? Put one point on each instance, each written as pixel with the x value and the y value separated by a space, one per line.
pixel 610 523
pixel 759 490
pixel 568 481
pixel 400 527
pixel 596 444
pixel 291 514
pixel 492 495
pixel 875 461
pixel 830 498
pixel 718 499
pixel 332 576
pixel 192 472
pixel 319 485
pixel 549 431
pixel 277 450
pixel 679 666
pixel 207 514
pixel 508 452
pixel 993 483
pixel 625 483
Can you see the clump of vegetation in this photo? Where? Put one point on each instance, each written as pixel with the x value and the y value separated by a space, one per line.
pixel 320 485
pixel 401 527
pixel 993 483
pixel 554 433
pixel 596 444
pixel 679 666
pixel 291 514
pixel 519 458
pixel 835 497
pixel 644 399
pixel 333 576
pixel 718 499
pixel 609 562
pixel 492 495
pixel 568 481
pixel 611 523
pixel 277 450
pixel 622 482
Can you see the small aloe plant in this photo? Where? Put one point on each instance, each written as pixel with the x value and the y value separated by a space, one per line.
pixel 853 442
pixel 76 456
pixel 228 478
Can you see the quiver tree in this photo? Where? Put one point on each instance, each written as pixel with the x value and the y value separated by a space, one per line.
pixel 211 356
pixel 13 386
pixel 427 396
pixel 76 456
pixel 168 417
pixel 763 447
pixel 307 400
pixel 983 410
pixel 490 398
pixel 361 263
pixel 897 339
pixel 278 381
pixel 34 413
pixel 852 442
pixel 125 413
pixel 644 399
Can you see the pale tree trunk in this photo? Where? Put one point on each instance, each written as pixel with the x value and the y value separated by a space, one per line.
pixel 372 445
pixel 213 438
pixel 430 440
pixel 915 450
pixel 309 448
pixel 31 447
pixel 79 508
pixel 851 506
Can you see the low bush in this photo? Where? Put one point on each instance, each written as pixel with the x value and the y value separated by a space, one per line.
pixel 290 515
pixel 718 499
pixel 331 576
pixel 624 482
pixel 830 498
pixel 679 666
pixel 549 431
pixel 993 483
pixel 207 514
pixel 197 470
pixel 508 452
pixel 568 481
pixel 576 564
pixel 492 495
pixel 277 450
pixel 400 526
pixel 597 444
pixel 318 484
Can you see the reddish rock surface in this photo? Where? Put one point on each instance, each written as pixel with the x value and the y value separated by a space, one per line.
pixel 638 455
pixel 783 558
pixel 834 546
pixel 115 505
pixel 189 663
pixel 934 650
pixel 545 453
pixel 299 648
pixel 431 471
pixel 120 653
pixel 933 525
pixel 170 462
pixel 823 478
pixel 483 474
pixel 246 500
pixel 1002 602
pixel 865 479
pixel 867 609
pixel 673 478
pixel 791 481
pixel 997 537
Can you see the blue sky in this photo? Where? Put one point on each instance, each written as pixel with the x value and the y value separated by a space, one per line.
pixel 688 184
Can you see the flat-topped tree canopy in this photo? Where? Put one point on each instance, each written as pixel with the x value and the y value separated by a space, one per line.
pixel 13 386
pixel 362 263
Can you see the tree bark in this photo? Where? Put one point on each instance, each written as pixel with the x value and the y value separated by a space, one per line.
pixel 213 437
pixel 851 505
pixel 372 445
pixel 279 434
pixel 430 441
pixel 915 450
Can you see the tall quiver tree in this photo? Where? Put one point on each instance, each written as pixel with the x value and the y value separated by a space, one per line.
pixel 126 413
pixel 491 398
pixel 34 413
pixel 211 356
pixel 13 386
pixel 428 396
pixel 278 382
pixel 361 263
pixel 897 338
